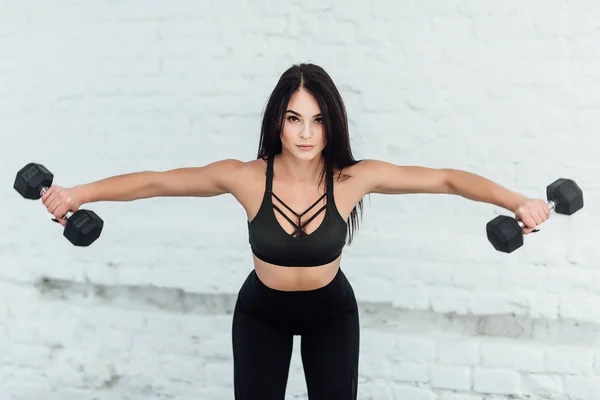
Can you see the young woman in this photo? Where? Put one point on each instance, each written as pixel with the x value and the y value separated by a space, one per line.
pixel 302 196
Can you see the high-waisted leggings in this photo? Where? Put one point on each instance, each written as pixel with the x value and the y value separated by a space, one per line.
pixel 265 321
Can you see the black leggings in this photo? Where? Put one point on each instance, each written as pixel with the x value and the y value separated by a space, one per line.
pixel 264 323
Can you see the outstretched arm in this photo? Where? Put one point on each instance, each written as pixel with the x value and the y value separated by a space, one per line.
pixel 386 178
pixel 210 180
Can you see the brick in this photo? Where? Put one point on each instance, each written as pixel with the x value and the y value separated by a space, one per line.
pixel 549 386
pixel 372 367
pixel 447 300
pixel 545 307
pixel 496 381
pixel 569 361
pixel 582 388
pixel 500 303
pixel 572 307
pixel 451 28
pixel 409 372
pixel 376 390
pixel 381 343
pixel 458 352
pixel 451 377
pixel 513 356
pixel 411 298
pixel 408 392
pixel 219 373
pixel 416 350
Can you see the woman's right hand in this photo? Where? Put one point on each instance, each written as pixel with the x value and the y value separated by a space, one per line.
pixel 58 200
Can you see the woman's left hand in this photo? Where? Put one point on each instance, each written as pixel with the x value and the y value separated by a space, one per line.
pixel 532 212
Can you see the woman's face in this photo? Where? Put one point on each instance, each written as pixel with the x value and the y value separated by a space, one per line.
pixel 303 135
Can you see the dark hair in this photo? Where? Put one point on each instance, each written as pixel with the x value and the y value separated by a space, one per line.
pixel 337 152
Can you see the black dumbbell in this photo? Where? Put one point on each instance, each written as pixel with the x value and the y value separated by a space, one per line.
pixel 506 233
pixel 83 227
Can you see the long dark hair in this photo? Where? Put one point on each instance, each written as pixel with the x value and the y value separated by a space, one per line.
pixel 337 152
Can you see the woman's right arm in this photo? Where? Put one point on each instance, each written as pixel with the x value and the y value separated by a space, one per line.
pixel 210 180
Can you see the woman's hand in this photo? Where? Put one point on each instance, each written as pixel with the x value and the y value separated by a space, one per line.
pixel 532 212
pixel 58 200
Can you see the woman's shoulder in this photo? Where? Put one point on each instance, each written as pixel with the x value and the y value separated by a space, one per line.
pixel 257 166
pixel 249 172
pixel 240 166
pixel 365 167
pixel 350 171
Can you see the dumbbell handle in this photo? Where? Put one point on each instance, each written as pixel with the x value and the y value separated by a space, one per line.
pixel 551 205
pixel 67 215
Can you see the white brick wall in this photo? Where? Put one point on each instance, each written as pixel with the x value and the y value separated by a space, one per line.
pixel 509 89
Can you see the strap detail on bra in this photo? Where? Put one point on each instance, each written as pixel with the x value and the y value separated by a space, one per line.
pixel 269 184
pixel 299 225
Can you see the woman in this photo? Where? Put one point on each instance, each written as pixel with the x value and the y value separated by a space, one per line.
pixel 302 196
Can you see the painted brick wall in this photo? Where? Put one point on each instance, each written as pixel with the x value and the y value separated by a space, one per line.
pixel 509 90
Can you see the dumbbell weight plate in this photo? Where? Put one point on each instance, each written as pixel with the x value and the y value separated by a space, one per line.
pixel 83 228
pixel 504 233
pixel 31 179
pixel 567 194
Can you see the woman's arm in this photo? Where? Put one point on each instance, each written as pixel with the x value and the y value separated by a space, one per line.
pixel 210 180
pixel 385 178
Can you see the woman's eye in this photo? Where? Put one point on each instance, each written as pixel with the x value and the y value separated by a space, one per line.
pixel 292 118
pixel 319 120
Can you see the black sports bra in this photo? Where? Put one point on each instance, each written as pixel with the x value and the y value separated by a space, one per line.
pixel 271 243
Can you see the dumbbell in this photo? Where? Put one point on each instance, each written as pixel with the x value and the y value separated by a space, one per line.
pixel 506 233
pixel 83 227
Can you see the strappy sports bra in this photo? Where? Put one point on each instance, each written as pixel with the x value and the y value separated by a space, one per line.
pixel 271 243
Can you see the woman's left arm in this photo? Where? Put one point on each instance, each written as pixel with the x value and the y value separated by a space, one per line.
pixel 386 178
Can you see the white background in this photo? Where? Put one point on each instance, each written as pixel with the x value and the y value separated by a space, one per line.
pixel 509 90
